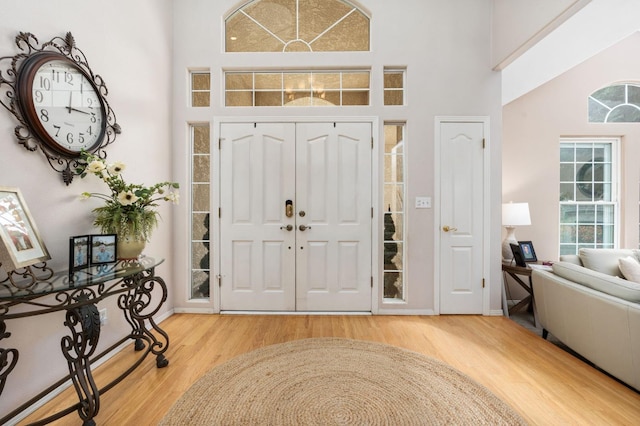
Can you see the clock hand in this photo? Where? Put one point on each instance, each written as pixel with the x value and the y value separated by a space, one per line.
pixel 69 107
pixel 79 110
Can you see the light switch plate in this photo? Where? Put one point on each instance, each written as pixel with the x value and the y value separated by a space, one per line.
pixel 423 202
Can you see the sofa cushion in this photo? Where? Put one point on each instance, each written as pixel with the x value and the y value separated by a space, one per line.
pixel 630 268
pixel 614 286
pixel 604 260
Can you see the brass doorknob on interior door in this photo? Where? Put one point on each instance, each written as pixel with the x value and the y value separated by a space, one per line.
pixel 303 227
pixel 288 227
pixel 449 228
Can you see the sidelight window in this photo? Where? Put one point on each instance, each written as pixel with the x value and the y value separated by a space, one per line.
pixel 200 211
pixel 394 218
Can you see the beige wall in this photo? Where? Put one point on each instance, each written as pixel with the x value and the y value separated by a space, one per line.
pixel 533 125
pixel 129 44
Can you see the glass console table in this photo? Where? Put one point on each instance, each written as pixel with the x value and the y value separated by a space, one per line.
pixel 38 290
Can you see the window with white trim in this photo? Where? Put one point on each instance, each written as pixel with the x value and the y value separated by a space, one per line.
pixel 588 194
pixel 200 211
pixel 618 103
pixel 297 26
pixel 394 232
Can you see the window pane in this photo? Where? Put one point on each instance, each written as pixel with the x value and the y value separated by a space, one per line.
pixel 200 81
pixel 200 99
pixel 200 168
pixel 201 139
pixel 393 97
pixel 238 81
pixel 200 226
pixel 355 80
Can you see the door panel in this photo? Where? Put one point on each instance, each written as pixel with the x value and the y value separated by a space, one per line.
pixel 461 210
pixel 334 191
pixel 256 254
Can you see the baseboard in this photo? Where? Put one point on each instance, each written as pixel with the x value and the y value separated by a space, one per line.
pixel 291 313
pixel 194 311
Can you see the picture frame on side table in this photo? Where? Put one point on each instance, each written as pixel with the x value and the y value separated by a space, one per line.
pixel 528 253
pixel 79 252
pixel 523 252
pixel 21 244
pixel 103 249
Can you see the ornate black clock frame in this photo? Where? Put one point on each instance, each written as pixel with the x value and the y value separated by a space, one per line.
pixel 16 79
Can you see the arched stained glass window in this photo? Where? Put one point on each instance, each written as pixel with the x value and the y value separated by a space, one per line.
pixel 297 26
pixel 619 103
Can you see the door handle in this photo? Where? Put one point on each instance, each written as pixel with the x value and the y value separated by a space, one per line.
pixel 288 227
pixel 303 227
pixel 449 228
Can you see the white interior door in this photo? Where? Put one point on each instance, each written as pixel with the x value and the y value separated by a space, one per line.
pixel 461 217
pixel 318 258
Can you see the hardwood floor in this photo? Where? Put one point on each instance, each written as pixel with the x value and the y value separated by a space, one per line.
pixel 546 385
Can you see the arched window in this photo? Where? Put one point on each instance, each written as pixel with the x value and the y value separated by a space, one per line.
pixel 618 103
pixel 297 26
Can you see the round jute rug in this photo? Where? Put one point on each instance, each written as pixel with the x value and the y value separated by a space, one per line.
pixel 333 381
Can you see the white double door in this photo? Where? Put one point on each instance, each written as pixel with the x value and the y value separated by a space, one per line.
pixel 295 222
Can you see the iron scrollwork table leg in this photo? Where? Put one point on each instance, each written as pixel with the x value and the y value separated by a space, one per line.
pixel 84 323
pixel 8 357
pixel 138 309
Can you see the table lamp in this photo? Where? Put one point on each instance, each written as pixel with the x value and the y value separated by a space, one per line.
pixel 513 214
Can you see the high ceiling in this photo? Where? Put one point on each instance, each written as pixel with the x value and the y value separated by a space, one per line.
pixel 597 26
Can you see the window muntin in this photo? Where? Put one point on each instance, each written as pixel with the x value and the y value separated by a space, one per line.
pixel 297 88
pixel 200 89
pixel 618 103
pixel 394 87
pixel 588 195
pixel 393 231
pixel 297 26
pixel 200 211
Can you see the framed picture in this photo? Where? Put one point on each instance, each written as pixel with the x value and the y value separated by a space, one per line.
pixel 528 253
pixel 78 252
pixel 103 248
pixel 21 243
pixel 523 252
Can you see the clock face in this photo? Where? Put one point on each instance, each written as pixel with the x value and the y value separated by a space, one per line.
pixel 62 105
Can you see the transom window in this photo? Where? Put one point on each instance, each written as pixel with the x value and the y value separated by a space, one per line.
pixel 297 26
pixel 618 103
pixel 297 88
pixel 588 195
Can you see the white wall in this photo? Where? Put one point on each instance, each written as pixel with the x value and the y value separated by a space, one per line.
pixel 448 60
pixel 129 44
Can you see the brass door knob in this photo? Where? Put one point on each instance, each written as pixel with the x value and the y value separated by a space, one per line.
pixel 288 227
pixel 449 228
pixel 303 227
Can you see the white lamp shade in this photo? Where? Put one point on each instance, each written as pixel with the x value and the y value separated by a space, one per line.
pixel 515 214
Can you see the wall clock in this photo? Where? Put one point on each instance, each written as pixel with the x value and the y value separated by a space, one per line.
pixel 59 102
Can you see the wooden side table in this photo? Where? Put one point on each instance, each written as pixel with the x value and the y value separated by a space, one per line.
pixel 515 272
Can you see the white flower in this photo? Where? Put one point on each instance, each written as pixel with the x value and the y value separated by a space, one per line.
pixel 116 168
pixel 95 166
pixel 174 197
pixel 127 198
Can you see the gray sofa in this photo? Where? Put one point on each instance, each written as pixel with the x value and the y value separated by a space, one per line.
pixel 589 306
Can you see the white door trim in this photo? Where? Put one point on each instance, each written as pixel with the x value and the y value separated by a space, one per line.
pixel 376 190
pixel 486 246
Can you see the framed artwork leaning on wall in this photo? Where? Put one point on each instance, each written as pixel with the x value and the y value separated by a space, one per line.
pixel 21 243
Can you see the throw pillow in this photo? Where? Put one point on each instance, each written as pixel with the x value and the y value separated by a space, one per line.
pixel 630 268
pixel 614 286
pixel 603 260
